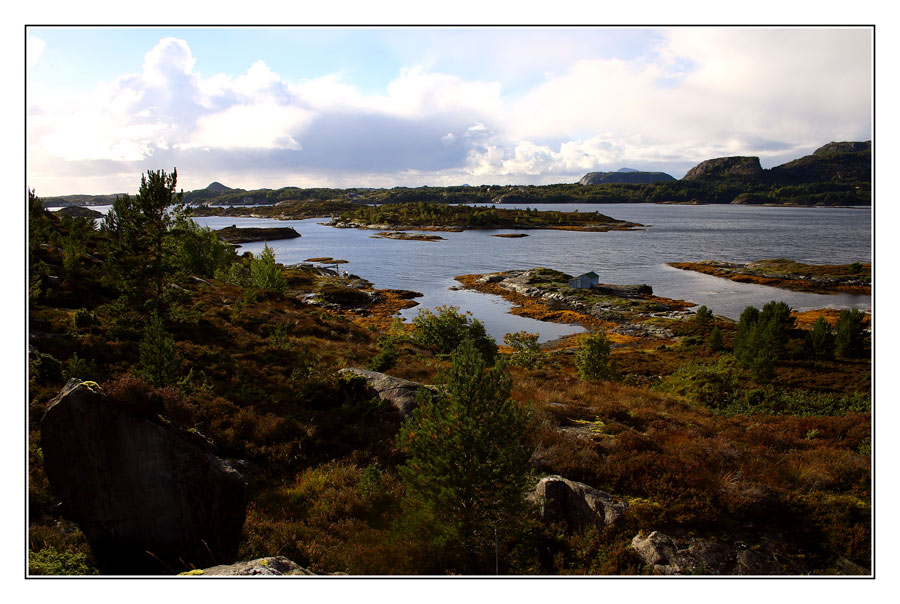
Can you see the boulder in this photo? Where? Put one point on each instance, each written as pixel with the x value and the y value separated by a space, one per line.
pixel 398 392
pixel 669 555
pixel 149 499
pixel 578 505
pixel 275 566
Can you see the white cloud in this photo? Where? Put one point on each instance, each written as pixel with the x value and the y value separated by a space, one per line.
pixel 701 93
pixel 34 48
pixel 266 125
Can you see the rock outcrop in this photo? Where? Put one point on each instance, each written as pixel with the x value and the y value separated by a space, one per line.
pixel 630 177
pixel 149 499
pixel 398 392
pixel 578 505
pixel 669 555
pixel 726 167
pixel 274 566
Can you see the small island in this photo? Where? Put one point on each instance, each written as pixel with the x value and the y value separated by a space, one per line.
pixel 402 235
pixel 855 278
pixel 511 235
pixel 238 235
pixel 445 217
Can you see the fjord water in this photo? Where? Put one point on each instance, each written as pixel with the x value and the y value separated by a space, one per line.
pixel 674 233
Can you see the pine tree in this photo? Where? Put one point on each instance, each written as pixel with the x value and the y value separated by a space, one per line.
pixel 849 341
pixel 467 465
pixel 159 361
pixel 819 342
pixel 137 229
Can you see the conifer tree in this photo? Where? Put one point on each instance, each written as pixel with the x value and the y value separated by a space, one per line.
pixel 849 341
pixel 137 227
pixel 467 465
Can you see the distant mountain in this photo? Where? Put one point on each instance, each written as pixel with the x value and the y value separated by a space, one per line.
pixel 627 170
pixel 626 176
pixel 218 187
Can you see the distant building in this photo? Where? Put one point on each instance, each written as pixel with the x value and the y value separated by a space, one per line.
pixel 585 281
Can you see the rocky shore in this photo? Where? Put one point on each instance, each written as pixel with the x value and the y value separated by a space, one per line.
pixel 626 312
pixel 786 274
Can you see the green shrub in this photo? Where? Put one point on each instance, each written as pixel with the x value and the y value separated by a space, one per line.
pixel 388 354
pixel 45 368
pixel 714 385
pixel 264 273
pixel 593 357
pixel 50 561
pixel 83 318
pixel 83 369
pixel 198 250
pixel 527 352
pixel 444 330
pixel 703 316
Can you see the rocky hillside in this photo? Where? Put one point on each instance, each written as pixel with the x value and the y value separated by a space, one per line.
pixel 626 177
pixel 726 167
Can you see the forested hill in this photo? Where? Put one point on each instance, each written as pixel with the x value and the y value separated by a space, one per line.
pixel 838 173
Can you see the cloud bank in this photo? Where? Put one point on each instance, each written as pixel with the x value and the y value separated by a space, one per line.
pixel 699 93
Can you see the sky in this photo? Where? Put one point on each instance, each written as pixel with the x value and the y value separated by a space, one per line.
pixel 255 107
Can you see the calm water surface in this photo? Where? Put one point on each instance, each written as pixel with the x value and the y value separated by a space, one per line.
pixel 673 234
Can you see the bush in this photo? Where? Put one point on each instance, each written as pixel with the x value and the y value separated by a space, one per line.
pixel 446 329
pixel 264 273
pixel 592 359
pixel 198 250
pixel 83 318
pixel 83 369
pixel 527 352
pixel 50 561
pixel 713 385
pixel 703 317
pixel 45 368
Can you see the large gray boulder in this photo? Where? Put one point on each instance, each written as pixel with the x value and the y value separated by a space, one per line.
pixel 149 499
pixel 273 566
pixel 668 555
pixel 398 392
pixel 578 505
